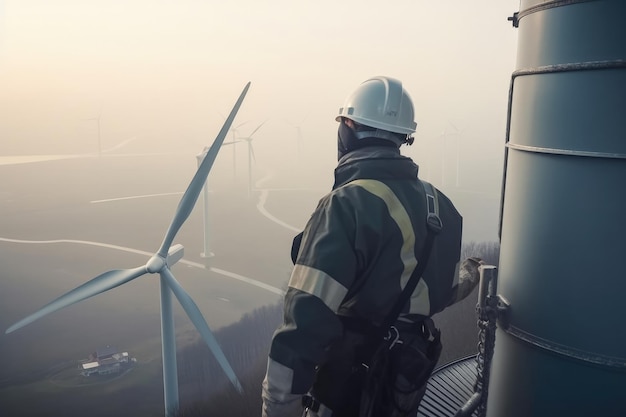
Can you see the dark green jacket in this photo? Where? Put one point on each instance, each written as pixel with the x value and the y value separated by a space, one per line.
pixel 357 252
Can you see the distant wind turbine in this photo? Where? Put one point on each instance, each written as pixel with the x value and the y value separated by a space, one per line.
pixel 160 263
pixel 233 142
pixel 251 156
pixel 299 136
pixel 206 209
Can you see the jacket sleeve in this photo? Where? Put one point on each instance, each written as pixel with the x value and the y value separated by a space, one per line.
pixel 324 270
pixel 468 278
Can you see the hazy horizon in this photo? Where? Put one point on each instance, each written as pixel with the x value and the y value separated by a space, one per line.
pixel 166 73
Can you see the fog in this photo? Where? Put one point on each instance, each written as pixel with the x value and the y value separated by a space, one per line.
pixel 166 73
pixel 104 106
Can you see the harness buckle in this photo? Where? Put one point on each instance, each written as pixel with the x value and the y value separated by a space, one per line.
pixel 310 403
pixel 434 223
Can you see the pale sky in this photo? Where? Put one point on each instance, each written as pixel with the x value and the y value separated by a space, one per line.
pixel 167 71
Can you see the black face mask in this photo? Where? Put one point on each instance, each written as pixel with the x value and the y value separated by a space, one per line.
pixel 347 140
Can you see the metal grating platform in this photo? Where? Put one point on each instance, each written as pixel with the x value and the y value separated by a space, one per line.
pixel 449 388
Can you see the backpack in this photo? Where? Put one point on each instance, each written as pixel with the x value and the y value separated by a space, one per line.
pixel 397 374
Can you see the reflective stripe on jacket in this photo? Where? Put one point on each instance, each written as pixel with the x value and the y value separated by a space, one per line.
pixel 357 252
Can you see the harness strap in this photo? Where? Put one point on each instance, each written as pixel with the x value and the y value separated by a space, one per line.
pixel 433 227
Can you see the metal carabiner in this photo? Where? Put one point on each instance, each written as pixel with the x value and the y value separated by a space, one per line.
pixel 396 339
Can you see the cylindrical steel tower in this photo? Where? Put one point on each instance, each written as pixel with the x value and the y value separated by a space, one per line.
pixel 563 222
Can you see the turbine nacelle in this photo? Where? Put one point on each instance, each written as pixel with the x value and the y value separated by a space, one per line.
pixel 175 254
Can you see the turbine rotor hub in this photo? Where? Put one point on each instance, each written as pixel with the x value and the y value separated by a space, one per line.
pixel 155 264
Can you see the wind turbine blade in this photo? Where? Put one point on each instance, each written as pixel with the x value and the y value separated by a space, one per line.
pixel 197 319
pixel 97 285
pixel 193 190
pixel 258 127
pixel 240 124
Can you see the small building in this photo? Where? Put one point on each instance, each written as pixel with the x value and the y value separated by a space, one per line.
pixel 105 361
pixel 106 352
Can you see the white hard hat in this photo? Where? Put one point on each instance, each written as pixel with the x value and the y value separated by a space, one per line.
pixel 382 103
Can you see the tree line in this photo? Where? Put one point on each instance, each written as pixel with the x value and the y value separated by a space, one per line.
pixel 205 389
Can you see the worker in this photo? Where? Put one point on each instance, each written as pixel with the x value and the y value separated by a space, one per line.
pixel 354 256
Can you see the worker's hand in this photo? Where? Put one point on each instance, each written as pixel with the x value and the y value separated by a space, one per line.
pixel 477 260
pixel 469 271
pixel 469 277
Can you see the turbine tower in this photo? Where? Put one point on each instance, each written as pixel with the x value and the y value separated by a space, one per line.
pixel 251 156
pixel 206 209
pixel 160 263
pixel 562 224
pixel 298 136
pixel 234 142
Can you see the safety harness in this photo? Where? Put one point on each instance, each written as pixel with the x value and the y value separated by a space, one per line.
pixel 387 332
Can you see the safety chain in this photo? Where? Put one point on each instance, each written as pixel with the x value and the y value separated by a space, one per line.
pixel 487 317
pixel 489 309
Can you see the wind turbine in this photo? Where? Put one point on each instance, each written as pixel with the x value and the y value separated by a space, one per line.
pixel 251 156
pixel 205 194
pixel 160 263
pixel 234 142
pixel 299 136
